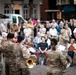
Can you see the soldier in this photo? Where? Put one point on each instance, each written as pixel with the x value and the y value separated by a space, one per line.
pixel 21 54
pixel 15 63
pixel 55 60
pixel 7 49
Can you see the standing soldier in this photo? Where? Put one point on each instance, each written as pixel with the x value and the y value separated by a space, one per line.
pixel 21 54
pixel 15 63
pixel 7 49
pixel 55 60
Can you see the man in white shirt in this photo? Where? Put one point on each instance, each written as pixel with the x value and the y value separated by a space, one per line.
pixel 53 32
pixel 27 31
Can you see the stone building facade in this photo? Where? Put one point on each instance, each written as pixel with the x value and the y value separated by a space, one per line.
pixel 40 9
pixel 21 7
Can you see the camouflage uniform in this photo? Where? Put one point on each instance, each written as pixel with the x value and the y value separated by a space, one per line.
pixel 18 48
pixel 0 67
pixel 7 48
pixel 56 61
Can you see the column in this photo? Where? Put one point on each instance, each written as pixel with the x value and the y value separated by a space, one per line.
pixel 38 11
pixel 21 10
pixel 31 8
pixel 2 6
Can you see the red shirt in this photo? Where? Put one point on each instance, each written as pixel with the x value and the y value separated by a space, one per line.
pixel 71 48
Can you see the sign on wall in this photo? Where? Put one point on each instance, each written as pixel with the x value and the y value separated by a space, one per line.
pixel 58 15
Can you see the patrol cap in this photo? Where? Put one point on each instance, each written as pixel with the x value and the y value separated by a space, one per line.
pixel 10 35
pixel 20 38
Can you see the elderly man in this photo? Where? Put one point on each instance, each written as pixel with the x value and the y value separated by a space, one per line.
pixel 37 40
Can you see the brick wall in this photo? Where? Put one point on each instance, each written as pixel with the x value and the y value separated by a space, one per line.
pixel 44 7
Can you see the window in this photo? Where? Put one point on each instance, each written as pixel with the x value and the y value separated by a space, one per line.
pixel 63 1
pixel 26 11
pixel 68 1
pixel 20 19
pixel 34 11
pixel 14 20
pixel 6 9
pixel 58 2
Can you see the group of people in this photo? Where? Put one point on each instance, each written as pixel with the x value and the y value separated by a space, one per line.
pixel 13 54
pixel 19 42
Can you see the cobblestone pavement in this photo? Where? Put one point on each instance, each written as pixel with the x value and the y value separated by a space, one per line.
pixel 42 70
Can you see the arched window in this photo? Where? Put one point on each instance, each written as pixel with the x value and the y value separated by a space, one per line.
pixel 35 11
pixel 26 11
pixel 6 9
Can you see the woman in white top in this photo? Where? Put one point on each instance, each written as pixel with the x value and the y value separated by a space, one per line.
pixel 27 31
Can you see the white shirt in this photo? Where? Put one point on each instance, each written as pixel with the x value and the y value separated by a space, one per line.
pixel 48 42
pixel 42 31
pixel 53 32
pixel 69 30
pixel 27 31
pixel 3 27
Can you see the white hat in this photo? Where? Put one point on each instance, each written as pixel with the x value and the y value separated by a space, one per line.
pixel 74 30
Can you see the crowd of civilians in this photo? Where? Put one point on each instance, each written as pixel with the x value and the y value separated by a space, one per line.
pixel 38 35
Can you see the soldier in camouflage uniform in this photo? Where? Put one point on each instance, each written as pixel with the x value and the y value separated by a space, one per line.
pixel 19 50
pixel 7 48
pixel 55 60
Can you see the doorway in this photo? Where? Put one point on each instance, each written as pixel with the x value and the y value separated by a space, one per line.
pixel 17 11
